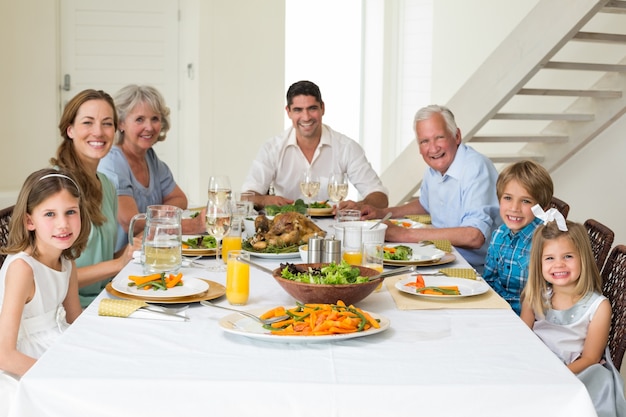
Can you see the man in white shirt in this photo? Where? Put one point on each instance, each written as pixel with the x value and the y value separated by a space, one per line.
pixel 310 145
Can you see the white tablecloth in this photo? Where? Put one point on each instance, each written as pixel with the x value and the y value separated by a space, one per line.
pixel 428 363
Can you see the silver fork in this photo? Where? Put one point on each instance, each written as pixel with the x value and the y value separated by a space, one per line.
pixel 245 313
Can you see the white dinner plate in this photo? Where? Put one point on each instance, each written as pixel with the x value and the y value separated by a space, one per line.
pixel 289 255
pixel 191 286
pixel 244 326
pixel 196 251
pixel 421 253
pixel 407 223
pixel 325 211
pixel 467 287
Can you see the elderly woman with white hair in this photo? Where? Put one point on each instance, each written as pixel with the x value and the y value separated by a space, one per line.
pixel 140 177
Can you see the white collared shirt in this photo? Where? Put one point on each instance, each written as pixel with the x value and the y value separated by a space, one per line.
pixel 281 162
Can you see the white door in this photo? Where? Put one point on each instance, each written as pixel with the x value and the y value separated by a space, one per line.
pixel 108 44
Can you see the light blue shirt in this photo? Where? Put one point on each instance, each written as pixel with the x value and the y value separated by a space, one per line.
pixel 465 196
pixel 162 183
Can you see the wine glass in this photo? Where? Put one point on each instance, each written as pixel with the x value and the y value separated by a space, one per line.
pixel 310 186
pixel 219 189
pixel 337 187
pixel 218 218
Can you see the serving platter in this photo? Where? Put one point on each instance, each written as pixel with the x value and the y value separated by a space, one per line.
pixel 244 326
pixel 215 290
pixel 467 287
pixel 287 255
pixel 191 286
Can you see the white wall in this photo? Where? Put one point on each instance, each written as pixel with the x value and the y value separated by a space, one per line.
pixel 28 81
pixel 591 182
pixel 236 94
pixel 465 33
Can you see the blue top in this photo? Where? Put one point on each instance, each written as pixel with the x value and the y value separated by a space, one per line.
pixel 465 196
pixel 508 257
pixel 101 244
pixel 117 168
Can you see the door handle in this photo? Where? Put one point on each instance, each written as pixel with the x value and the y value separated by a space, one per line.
pixel 66 82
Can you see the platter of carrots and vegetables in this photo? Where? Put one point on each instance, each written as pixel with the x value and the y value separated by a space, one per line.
pixel 308 323
pixel 442 287
pixel 161 285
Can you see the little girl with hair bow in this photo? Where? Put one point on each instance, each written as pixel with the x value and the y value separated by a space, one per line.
pixel 563 304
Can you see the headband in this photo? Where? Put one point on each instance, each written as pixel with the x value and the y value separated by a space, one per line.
pixel 549 216
pixel 61 176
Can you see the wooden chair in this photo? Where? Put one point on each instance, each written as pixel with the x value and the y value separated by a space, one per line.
pixel 5 217
pixel 601 238
pixel 560 205
pixel 614 288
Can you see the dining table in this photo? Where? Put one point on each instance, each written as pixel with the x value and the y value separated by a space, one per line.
pixel 459 357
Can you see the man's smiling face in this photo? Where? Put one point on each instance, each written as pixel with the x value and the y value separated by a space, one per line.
pixel 306 114
pixel 437 146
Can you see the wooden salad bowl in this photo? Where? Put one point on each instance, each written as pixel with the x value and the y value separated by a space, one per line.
pixel 328 294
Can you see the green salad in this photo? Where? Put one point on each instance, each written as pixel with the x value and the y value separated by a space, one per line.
pixel 297 206
pixel 397 253
pixel 331 274
pixel 201 242
pixel 320 204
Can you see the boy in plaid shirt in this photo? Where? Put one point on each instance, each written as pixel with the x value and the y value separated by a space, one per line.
pixel 519 187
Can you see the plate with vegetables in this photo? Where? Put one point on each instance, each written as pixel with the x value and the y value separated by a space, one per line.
pixel 333 322
pixel 406 223
pixel 161 285
pixel 320 209
pixel 415 254
pixel 442 287
pixel 198 245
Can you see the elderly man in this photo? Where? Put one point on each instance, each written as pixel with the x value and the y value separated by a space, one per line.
pixel 458 190
pixel 310 145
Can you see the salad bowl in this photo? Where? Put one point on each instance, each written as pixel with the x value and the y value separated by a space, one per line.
pixel 327 293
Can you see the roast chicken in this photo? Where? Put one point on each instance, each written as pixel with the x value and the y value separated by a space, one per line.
pixel 285 229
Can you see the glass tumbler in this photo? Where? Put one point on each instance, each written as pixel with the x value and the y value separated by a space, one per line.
pixel 352 238
pixel 237 278
pixel 348 215
pixel 373 257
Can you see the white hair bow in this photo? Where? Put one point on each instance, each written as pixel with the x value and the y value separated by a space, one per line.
pixel 549 216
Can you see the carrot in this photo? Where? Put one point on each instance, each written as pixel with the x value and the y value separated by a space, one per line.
pixel 321 319
pixel 173 280
pixel 140 280
pixel 419 281
pixel 435 290
pixel 275 312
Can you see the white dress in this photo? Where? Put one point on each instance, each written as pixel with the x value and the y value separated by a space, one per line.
pixel 43 318
pixel 564 332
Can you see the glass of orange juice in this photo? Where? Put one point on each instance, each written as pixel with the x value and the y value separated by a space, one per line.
pixel 352 236
pixel 237 278
pixel 232 241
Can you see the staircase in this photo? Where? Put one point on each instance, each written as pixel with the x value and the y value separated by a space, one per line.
pixel 554 84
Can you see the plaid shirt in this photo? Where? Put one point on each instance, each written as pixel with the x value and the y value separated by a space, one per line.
pixel 506 265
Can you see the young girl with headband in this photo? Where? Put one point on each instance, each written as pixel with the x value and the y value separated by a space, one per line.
pixel 38 279
pixel 563 304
